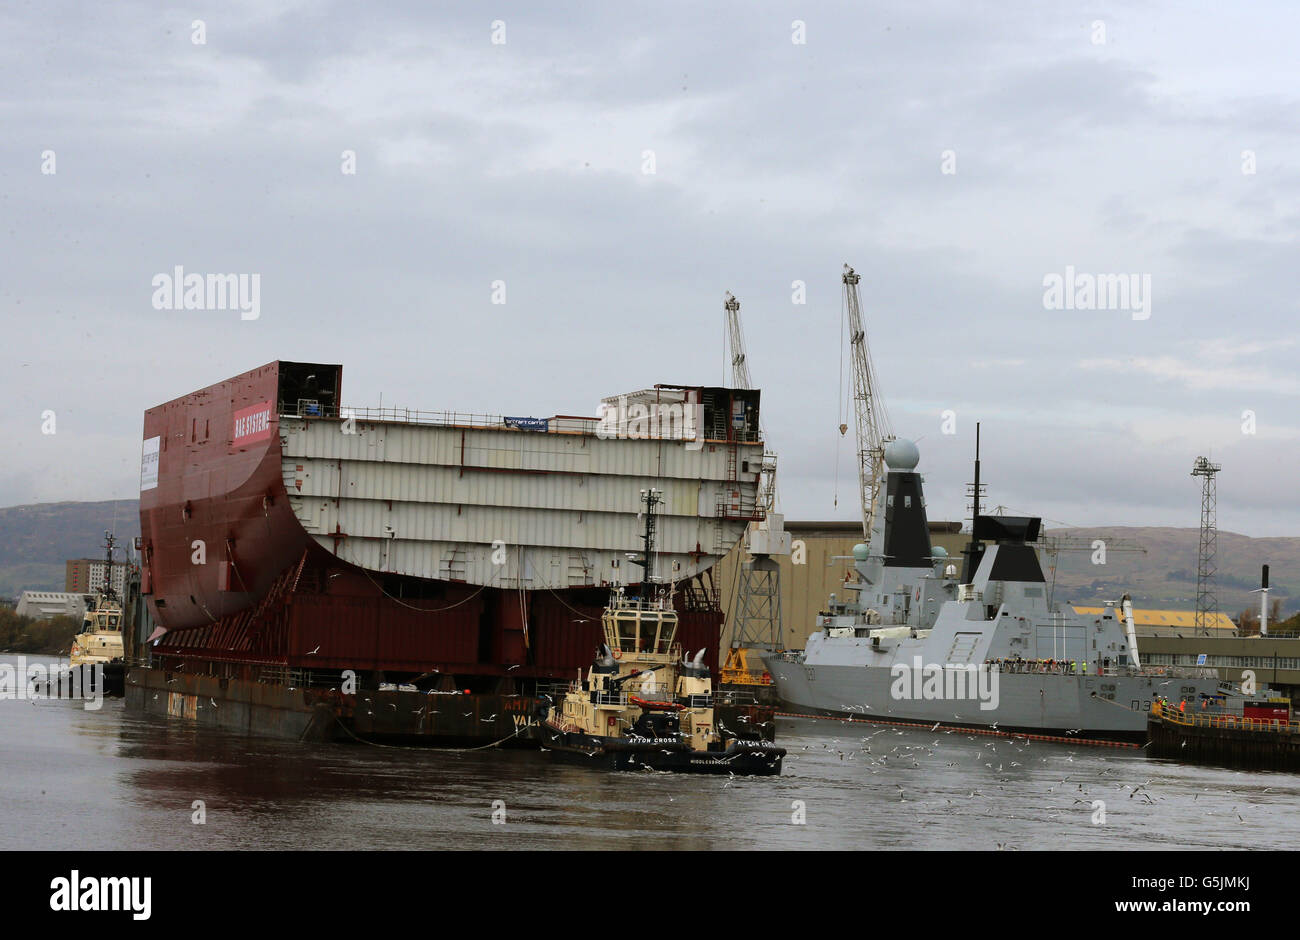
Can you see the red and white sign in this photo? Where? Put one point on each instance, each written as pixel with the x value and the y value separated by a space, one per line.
pixel 252 424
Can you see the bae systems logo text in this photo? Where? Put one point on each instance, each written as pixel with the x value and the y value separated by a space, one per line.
pixel 77 893
pixel 252 424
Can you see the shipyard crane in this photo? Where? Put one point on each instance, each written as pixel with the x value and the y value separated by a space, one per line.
pixel 740 379
pixel 739 365
pixel 756 611
pixel 872 419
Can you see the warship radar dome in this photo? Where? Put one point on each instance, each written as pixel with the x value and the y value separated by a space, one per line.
pixel 901 454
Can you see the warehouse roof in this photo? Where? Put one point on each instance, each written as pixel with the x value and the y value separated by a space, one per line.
pixel 1169 620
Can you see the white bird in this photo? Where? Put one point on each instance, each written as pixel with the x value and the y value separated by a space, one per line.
pixel 315 651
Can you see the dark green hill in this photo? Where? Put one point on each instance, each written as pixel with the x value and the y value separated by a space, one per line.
pixel 36 540
pixel 1164 577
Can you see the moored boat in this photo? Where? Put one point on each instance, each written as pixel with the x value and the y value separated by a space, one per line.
pixel 643 706
pixel 988 648
pixel 98 649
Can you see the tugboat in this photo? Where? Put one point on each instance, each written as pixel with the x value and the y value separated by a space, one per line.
pixel 100 641
pixel 642 704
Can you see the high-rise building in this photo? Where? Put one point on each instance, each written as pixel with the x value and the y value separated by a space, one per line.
pixel 86 575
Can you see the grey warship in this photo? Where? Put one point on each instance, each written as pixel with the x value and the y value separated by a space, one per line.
pixel 989 649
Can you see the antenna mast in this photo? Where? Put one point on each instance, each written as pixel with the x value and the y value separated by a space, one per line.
pixel 652 498
pixel 974 548
pixel 1207 602
pixel 108 565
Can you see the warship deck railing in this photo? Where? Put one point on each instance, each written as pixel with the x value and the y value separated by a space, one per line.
pixel 1060 667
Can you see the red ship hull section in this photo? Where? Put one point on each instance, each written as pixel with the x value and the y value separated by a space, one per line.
pixel 235 577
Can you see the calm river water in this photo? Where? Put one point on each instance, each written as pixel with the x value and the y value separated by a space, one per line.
pixel 113 779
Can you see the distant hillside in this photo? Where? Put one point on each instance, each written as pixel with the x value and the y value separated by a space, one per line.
pixel 36 540
pixel 1165 576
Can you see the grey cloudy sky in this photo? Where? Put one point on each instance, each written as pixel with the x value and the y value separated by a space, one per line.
pixel 774 162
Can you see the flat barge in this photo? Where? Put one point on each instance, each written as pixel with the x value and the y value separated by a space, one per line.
pixel 1229 740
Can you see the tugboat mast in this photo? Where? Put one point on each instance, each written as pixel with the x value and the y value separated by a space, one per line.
pixel 652 498
pixel 107 589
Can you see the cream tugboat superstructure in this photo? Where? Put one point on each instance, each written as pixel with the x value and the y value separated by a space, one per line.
pixel 642 704
pixel 100 641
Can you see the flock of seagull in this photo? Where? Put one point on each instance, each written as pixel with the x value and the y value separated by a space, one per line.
pixel 1085 791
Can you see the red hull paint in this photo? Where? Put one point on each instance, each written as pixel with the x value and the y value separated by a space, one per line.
pixel 269 593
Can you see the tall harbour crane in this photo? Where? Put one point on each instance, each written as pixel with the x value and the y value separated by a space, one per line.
pixel 736 339
pixel 740 379
pixel 756 610
pixel 872 419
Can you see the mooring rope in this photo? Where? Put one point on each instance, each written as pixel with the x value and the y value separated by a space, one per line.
pixel 416 747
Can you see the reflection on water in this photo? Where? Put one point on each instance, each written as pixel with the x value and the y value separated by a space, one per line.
pixel 116 779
